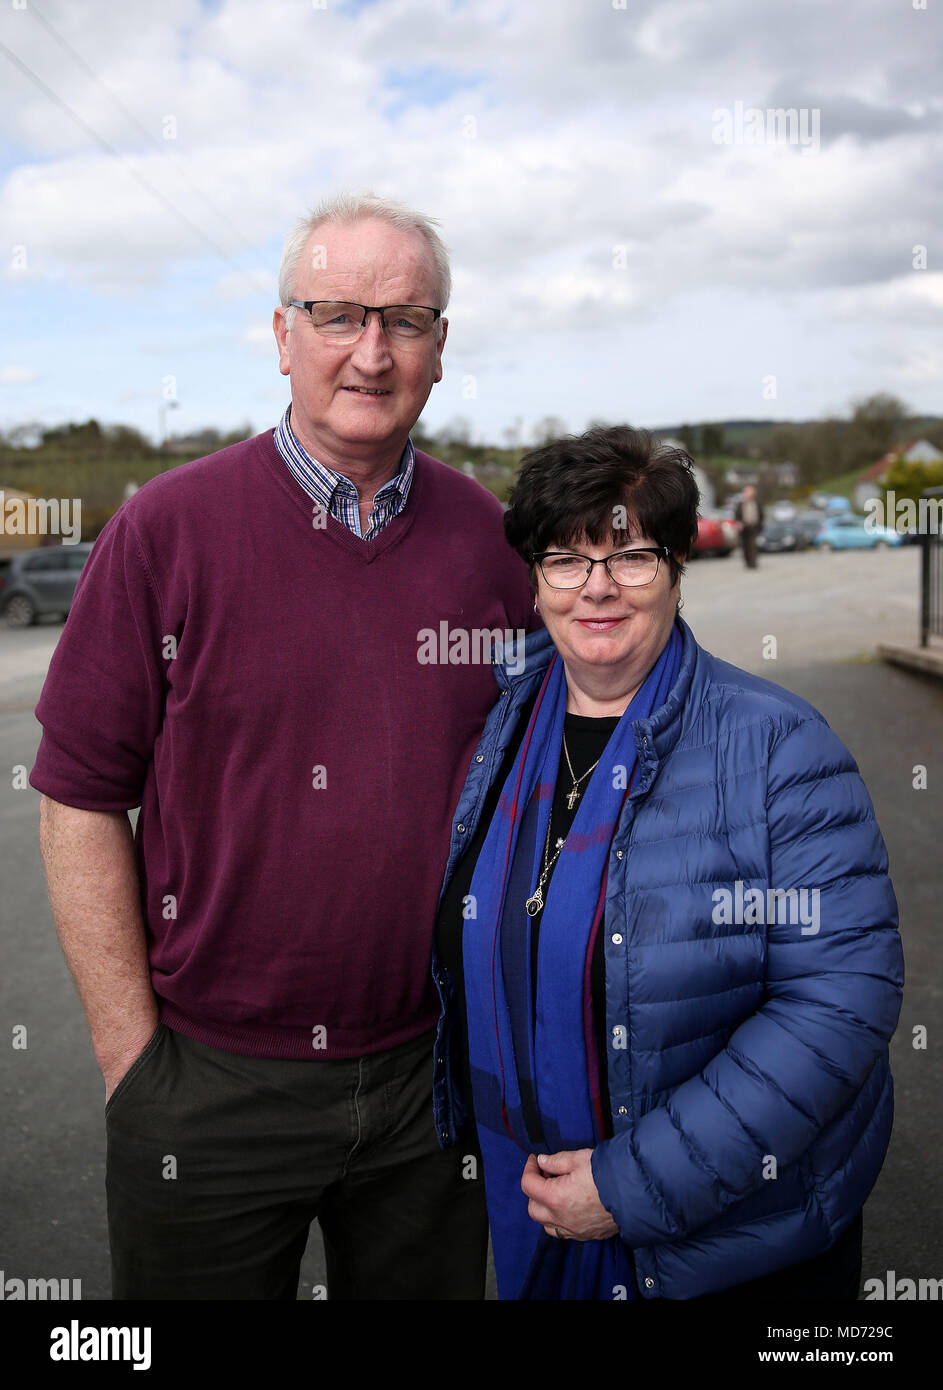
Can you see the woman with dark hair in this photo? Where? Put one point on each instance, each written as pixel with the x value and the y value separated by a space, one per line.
pixel 667 945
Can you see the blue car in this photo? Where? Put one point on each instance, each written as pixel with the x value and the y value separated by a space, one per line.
pixel 855 533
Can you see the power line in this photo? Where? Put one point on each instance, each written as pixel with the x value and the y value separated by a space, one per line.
pixel 130 116
pixel 110 149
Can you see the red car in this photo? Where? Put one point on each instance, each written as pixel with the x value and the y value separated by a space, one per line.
pixel 715 536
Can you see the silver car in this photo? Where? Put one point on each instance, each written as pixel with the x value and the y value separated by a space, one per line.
pixel 41 581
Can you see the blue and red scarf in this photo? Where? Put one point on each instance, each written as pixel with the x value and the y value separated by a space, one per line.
pixel 536 1090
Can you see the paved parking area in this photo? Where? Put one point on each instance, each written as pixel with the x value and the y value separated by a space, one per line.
pixel 819 607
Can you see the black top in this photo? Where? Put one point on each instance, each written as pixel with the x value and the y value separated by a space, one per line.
pixel 585 739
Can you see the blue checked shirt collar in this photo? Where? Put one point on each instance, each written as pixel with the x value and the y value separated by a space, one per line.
pixel 337 494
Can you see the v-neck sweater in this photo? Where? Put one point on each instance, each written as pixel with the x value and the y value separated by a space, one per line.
pixel 260 681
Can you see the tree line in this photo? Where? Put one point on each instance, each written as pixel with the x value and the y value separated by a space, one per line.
pixel 97 462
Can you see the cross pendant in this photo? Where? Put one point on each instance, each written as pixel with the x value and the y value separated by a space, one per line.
pixel 573 798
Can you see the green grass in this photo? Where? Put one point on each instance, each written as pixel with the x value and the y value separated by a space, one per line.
pixel 843 485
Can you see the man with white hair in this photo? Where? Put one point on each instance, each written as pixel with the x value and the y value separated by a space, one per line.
pixel 242 662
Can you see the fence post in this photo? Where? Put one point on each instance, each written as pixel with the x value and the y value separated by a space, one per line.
pixel 931 574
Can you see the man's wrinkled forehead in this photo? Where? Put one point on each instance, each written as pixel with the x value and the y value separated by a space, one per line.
pixel 367 261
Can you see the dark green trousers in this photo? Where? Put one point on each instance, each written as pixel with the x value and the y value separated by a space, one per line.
pixel 217 1165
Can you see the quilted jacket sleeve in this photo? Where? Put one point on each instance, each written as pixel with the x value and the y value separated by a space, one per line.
pixel 831 1005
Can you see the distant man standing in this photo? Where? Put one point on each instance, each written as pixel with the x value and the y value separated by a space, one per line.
pixel 241 663
pixel 749 513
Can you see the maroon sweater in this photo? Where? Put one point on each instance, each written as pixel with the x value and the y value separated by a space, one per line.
pixel 252 682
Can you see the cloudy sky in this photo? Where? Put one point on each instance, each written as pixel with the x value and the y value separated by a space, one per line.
pixel 634 235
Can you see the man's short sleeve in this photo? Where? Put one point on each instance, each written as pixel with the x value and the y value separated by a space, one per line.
pixel 103 700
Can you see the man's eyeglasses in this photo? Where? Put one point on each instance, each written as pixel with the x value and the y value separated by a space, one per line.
pixel 345 322
pixel 563 569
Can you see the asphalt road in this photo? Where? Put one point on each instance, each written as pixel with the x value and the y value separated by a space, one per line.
pixel 826 612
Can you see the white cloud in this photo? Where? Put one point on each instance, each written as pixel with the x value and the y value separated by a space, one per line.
pixel 260 338
pixel 912 299
pixel 239 284
pixel 17 376
pixel 924 368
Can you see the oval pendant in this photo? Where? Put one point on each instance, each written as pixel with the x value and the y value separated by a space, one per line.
pixel 534 904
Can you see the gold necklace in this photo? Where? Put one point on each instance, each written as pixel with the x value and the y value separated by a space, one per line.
pixel 574 795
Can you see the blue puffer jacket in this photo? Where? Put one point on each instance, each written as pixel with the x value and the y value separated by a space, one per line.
pixel 750 1088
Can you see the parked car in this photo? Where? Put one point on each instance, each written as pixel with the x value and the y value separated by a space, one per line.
pixel 851 533
pixel 41 581
pixel 809 524
pixel 829 502
pixel 780 536
pixel 731 527
pixel 714 536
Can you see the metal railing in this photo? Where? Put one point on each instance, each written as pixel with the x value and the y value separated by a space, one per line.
pixel 931 576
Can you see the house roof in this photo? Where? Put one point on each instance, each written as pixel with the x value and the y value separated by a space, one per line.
pixel 877 470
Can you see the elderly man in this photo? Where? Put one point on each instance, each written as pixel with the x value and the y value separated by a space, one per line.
pixel 749 512
pixel 242 662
